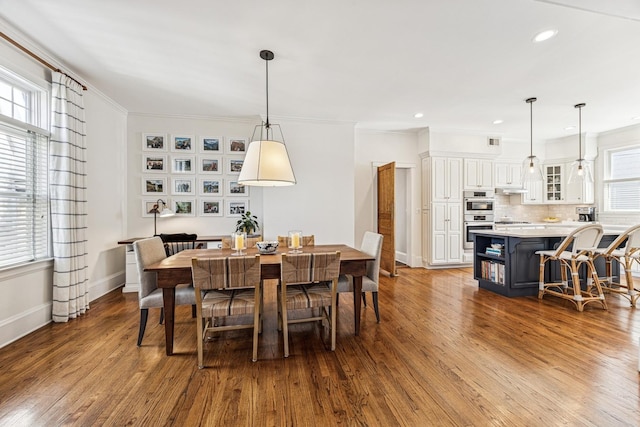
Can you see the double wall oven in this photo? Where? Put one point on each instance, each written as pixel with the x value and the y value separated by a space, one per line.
pixel 478 213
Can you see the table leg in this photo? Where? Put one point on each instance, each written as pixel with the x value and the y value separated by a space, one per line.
pixel 357 302
pixel 169 297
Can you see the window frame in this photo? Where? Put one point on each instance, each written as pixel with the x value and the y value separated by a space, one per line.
pixel 37 123
pixel 607 180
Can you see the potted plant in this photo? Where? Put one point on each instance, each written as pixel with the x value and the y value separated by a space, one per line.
pixel 247 223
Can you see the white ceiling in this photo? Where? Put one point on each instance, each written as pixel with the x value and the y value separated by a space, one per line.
pixel 463 63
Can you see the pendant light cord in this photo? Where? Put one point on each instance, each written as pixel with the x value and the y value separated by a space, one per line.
pixel 579 107
pixel 266 62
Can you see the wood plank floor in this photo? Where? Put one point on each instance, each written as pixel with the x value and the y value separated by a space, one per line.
pixel 445 353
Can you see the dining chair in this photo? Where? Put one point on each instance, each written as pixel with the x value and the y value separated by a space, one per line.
pixel 308 281
pixel 283 241
pixel 177 242
pixel 624 250
pixel 371 245
pixel 147 252
pixel 575 250
pixel 227 288
pixel 251 242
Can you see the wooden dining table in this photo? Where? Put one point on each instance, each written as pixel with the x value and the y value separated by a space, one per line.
pixel 176 269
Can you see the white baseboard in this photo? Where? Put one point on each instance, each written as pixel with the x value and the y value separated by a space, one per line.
pixel 16 327
pixel 105 285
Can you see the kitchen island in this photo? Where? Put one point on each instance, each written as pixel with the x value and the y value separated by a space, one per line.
pixel 510 266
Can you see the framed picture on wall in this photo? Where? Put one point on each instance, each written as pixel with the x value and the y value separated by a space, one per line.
pixel 183 185
pixel 154 163
pixel 235 190
pixel 184 207
pixel 182 143
pixel 210 207
pixel 234 165
pixel 154 142
pixel 154 185
pixel 148 204
pixel 209 165
pixel 210 187
pixel 183 164
pixel 211 145
pixel 237 145
pixel 237 207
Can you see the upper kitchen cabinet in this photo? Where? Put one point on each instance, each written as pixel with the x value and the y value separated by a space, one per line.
pixel 554 182
pixel 507 174
pixel 478 173
pixel 446 179
pixel 533 196
pixel 578 192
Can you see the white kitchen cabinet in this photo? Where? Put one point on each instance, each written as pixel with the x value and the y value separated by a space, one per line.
pixel 533 196
pixel 507 174
pixel 446 179
pixel 426 179
pixel 478 173
pixel 446 233
pixel 578 192
pixel 554 182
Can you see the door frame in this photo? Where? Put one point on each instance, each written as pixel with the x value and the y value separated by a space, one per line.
pixel 413 229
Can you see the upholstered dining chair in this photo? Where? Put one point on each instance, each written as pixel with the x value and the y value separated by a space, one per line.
pixel 227 288
pixel 308 281
pixel 251 242
pixel 624 250
pixel 310 240
pixel 371 245
pixel 147 252
pixel 575 250
pixel 174 243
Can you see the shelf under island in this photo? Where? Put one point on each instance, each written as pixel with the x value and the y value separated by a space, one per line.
pixel 505 261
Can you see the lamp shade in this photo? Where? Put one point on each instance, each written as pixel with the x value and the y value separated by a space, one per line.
pixel 267 164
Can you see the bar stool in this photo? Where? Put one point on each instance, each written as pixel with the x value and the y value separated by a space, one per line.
pixel 573 252
pixel 625 250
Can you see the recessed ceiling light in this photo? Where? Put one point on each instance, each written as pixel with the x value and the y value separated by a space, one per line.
pixel 497 122
pixel 544 35
pixel 418 115
pixel 570 128
pixel 635 118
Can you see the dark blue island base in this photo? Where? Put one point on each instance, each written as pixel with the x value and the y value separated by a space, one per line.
pixel 514 272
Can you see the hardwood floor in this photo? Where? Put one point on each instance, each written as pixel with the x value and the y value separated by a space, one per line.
pixel 445 353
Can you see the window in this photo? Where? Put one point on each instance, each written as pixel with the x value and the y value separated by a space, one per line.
pixel 24 212
pixel 622 179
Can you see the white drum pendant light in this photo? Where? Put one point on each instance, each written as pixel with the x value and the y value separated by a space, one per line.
pixel 267 161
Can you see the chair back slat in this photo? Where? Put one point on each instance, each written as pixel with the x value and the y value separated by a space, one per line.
pixel 325 266
pixel 296 268
pixel 244 271
pixel 178 242
pixel 587 237
pixel 310 240
pixel 633 241
pixel 209 273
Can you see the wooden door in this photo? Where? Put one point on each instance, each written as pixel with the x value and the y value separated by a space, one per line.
pixel 386 216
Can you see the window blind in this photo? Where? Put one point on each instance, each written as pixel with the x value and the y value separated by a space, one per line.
pixel 23 195
pixel 623 180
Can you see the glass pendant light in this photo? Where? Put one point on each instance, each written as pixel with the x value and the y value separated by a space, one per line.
pixel 531 169
pixel 580 169
pixel 267 161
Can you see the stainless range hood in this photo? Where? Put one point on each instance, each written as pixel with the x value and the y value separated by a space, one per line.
pixel 507 191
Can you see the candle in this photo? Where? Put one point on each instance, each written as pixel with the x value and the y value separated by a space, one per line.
pixel 239 241
pixel 295 240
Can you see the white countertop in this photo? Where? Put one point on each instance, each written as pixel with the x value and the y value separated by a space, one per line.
pixel 554 229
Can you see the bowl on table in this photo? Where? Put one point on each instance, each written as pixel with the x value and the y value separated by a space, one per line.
pixel 267 247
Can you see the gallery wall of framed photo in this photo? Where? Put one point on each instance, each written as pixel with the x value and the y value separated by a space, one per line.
pixel 196 175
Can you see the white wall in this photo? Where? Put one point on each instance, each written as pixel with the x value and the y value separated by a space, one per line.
pixel 322 156
pixel 377 147
pixel 27 294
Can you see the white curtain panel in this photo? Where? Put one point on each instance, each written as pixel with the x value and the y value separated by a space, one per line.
pixel 67 189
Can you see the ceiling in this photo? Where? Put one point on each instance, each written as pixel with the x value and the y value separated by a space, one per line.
pixel 462 63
